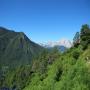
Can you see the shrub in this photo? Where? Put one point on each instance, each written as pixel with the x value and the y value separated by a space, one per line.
pixel 76 54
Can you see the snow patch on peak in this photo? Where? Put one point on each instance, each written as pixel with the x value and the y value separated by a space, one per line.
pixel 63 42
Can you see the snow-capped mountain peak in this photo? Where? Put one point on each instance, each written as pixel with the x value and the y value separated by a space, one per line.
pixel 63 42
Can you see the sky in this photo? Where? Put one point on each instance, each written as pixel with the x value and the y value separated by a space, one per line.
pixel 45 20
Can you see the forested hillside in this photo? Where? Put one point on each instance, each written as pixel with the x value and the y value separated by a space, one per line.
pixel 16 48
pixel 53 70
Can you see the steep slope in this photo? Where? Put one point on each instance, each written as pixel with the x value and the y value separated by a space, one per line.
pixel 66 73
pixel 16 48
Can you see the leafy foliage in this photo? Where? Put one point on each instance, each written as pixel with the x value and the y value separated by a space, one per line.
pixel 76 39
pixel 85 36
pixel 76 54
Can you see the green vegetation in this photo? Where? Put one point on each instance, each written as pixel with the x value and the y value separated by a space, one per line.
pixel 85 36
pixel 16 49
pixel 52 70
pixel 76 39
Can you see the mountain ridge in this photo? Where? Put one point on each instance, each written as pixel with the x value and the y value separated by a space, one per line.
pixel 16 48
pixel 63 42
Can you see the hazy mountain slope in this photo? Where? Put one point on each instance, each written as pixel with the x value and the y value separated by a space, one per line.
pixel 16 48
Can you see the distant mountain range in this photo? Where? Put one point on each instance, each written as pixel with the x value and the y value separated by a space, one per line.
pixel 62 45
pixel 16 48
pixel 63 42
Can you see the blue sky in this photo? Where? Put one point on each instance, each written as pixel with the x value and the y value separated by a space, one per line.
pixel 45 20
